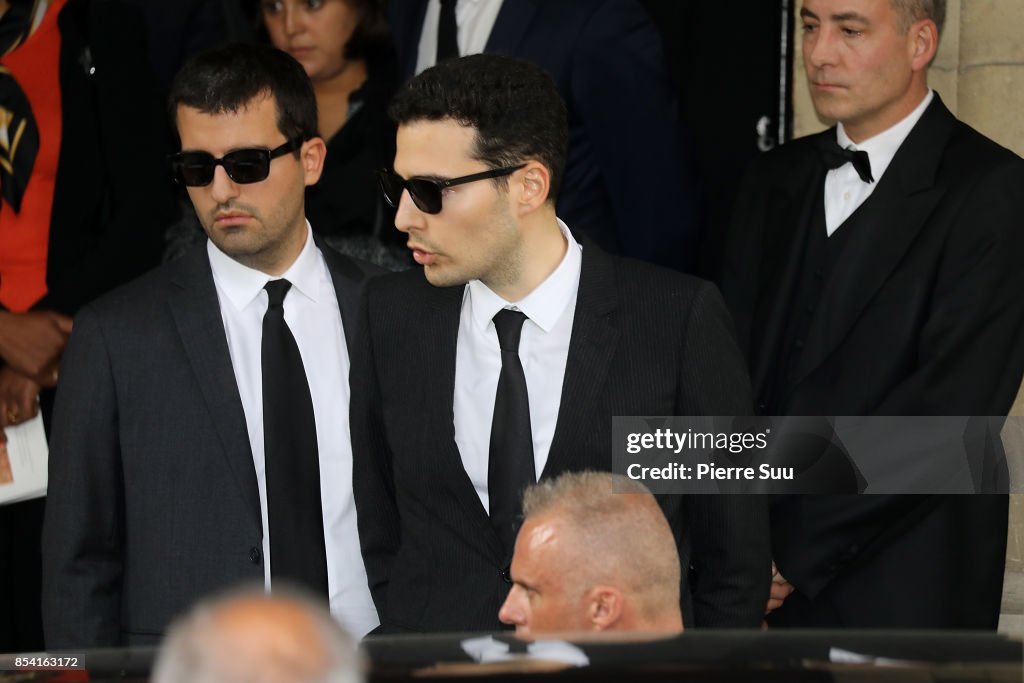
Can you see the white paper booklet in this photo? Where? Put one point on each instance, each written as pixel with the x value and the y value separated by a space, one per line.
pixel 23 462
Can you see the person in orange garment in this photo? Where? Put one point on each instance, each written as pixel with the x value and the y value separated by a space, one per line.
pixel 84 201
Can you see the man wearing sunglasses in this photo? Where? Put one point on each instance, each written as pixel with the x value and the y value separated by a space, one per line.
pixel 201 408
pixel 505 358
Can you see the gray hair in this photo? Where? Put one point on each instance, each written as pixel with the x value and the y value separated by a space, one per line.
pixel 193 650
pixel 910 11
pixel 619 533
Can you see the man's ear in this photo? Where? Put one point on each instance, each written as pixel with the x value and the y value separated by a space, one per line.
pixel 312 155
pixel 924 36
pixel 604 607
pixel 534 184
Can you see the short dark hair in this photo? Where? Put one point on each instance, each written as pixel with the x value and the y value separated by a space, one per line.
pixel 226 79
pixel 513 105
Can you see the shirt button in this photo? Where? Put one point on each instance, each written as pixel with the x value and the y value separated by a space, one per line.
pixel 799 344
pixel 255 555
pixel 846 196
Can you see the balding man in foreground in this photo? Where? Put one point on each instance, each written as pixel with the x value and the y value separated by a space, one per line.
pixel 249 636
pixel 595 553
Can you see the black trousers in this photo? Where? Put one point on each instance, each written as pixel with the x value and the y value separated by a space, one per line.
pixel 21 623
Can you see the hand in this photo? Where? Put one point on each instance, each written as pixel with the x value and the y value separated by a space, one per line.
pixel 31 343
pixel 19 398
pixel 780 590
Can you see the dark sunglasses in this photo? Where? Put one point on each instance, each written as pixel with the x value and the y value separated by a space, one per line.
pixel 244 166
pixel 426 193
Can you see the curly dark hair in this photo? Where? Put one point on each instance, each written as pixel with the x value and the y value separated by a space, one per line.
pixel 513 105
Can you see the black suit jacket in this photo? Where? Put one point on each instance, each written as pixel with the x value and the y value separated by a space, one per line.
pixel 921 316
pixel 628 182
pixel 112 167
pixel 153 501
pixel 645 341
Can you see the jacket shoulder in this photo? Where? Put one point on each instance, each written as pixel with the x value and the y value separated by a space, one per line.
pixel 968 149
pixel 406 285
pixel 646 280
pixel 138 296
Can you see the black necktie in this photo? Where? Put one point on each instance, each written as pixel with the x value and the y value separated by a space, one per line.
pixel 447 32
pixel 510 467
pixel 292 463
pixel 835 156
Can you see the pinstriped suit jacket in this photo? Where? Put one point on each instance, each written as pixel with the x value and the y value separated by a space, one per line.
pixel 645 341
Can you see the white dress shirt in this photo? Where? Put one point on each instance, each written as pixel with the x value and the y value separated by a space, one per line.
pixel 474 18
pixel 844 190
pixel 543 350
pixel 311 311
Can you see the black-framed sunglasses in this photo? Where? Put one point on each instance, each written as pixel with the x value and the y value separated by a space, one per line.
pixel 425 192
pixel 243 166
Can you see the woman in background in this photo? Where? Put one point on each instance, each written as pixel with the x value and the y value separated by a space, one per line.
pixel 344 47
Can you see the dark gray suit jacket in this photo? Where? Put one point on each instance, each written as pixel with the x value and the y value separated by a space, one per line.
pixel 153 501
pixel 645 341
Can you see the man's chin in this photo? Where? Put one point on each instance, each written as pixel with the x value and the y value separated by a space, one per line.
pixel 233 241
pixel 828 106
pixel 439 276
pixel 523 633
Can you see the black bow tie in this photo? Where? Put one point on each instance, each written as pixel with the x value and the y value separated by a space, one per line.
pixel 835 156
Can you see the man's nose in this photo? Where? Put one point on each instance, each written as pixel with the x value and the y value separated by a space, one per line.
pixel 820 47
pixel 222 188
pixel 511 613
pixel 408 216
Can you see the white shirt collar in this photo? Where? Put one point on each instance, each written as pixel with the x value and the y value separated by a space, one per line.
pixel 883 147
pixel 545 304
pixel 242 284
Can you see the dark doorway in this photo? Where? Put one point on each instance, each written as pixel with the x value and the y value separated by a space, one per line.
pixel 731 63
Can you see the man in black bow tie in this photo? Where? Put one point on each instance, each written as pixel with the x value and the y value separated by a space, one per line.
pixel 874 269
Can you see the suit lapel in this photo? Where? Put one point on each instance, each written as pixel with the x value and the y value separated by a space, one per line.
pixel 348 283
pixel 440 327
pixel 592 346
pixel 790 214
pixel 510 26
pixel 196 311
pixel 896 212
